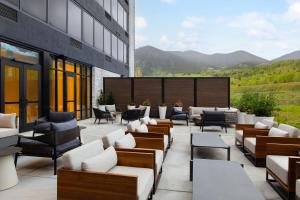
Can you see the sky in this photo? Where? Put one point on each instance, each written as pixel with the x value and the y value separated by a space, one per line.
pixel 267 28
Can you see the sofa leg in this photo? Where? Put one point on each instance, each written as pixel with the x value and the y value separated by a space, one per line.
pixel 95 121
pixel 16 159
pixel 55 165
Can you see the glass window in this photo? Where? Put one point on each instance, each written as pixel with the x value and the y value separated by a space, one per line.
pixel 74 20
pixel 120 15
pixel 120 50
pixel 88 28
pixel 36 8
pixel 70 67
pixel 125 54
pixel 125 21
pixel 107 6
pixel 100 2
pixel 107 42
pixel 114 45
pixel 98 32
pixel 12 2
pixel 114 9
pixel 18 53
pixel 57 12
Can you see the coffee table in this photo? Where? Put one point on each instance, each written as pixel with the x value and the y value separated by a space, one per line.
pixel 206 140
pixel 220 179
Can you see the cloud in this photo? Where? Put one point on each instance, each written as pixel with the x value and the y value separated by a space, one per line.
pixel 293 13
pixel 168 1
pixel 164 41
pixel 192 22
pixel 140 40
pixel 140 23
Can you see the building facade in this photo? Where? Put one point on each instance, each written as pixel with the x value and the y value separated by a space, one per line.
pixel 55 53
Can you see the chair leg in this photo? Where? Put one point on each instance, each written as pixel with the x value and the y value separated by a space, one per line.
pixel 55 165
pixel 99 121
pixel 16 159
pixel 95 121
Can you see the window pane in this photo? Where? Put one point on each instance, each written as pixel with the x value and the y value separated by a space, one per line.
pixel 70 67
pixel 52 90
pixel 32 85
pixel 125 20
pixel 87 28
pixel 120 50
pixel 60 97
pixel 107 42
pixel 32 112
pixel 114 43
pixel 12 108
pixel 36 8
pixel 58 14
pixel 11 83
pixel 114 8
pixel 12 2
pixel 120 15
pixel 125 54
pixel 100 2
pixel 107 5
pixel 98 35
pixel 74 20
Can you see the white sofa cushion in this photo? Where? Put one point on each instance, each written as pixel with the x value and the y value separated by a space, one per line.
pixel 250 144
pixel 110 139
pixel 126 141
pixel 276 132
pixel 166 142
pixel 153 122
pixel 159 159
pixel 129 107
pixel 6 132
pixel 239 135
pixel 72 159
pixel 270 123
pixel 171 132
pixel 293 131
pixel 146 120
pixel 102 108
pixel 260 125
pixel 145 179
pixel 102 162
pixel 8 120
pixel 279 165
pixel 298 188
pixel 111 108
pixel 142 128
pixel 132 126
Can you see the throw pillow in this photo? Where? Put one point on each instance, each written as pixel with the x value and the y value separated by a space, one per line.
pixel 260 125
pixel 102 108
pixel 142 129
pixel 129 107
pixel 111 108
pixel 146 120
pixel 8 120
pixel 153 122
pixel 126 141
pixel 102 162
pixel 275 132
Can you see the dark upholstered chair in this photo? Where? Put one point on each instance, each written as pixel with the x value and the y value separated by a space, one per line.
pixel 131 115
pixel 142 113
pixel 60 138
pixel 179 115
pixel 213 118
pixel 99 114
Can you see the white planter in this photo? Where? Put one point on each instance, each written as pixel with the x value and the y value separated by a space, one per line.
pixel 260 119
pixel 241 117
pixel 249 119
pixel 147 113
pixel 162 112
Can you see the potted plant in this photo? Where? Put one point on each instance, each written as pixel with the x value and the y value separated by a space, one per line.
pixel 178 105
pixel 110 99
pixel 162 108
pixel 147 104
pixel 263 106
pixel 101 100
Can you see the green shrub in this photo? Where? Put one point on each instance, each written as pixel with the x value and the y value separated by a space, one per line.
pixel 146 103
pixel 101 100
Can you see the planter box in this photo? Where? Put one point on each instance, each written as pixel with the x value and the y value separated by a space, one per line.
pixel 260 119
pixel 162 112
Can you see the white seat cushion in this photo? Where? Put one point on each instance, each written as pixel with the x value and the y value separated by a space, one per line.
pixel 250 144
pixel 8 120
pixel 111 108
pixel 260 125
pixel 111 138
pixel 72 159
pixel 153 122
pixel 102 108
pixel 293 131
pixel 159 158
pixel 6 132
pixel 127 141
pixel 146 120
pixel 132 126
pixel 142 129
pixel 145 178
pixel 269 123
pixel 276 132
pixel 298 188
pixel 279 165
pixel 129 107
pixel 239 135
pixel 102 162
pixel 166 141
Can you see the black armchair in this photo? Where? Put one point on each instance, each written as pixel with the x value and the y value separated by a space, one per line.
pixel 213 118
pixel 61 138
pixel 131 115
pixel 179 115
pixel 142 113
pixel 99 114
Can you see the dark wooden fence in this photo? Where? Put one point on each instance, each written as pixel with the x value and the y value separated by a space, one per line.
pixel 202 92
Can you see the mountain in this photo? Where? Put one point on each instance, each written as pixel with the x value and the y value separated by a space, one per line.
pixel 291 56
pixel 151 59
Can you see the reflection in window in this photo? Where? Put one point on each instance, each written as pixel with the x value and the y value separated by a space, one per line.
pixel 114 44
pixel 98 32
pixel 107 42
pixel 114 9
pixel 74 20
pixel 57 14
pixel 125 54
pixel 120 50
pixel 107 6
pixel 12 2
pixel 125 21
pixel 120 15
pixel 87 28
pixel 36 8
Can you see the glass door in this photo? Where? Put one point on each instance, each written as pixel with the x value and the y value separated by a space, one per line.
pixel 70 91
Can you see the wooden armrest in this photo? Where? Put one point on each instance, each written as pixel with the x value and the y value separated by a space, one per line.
pixel 241 126
pixel 166 123
pixel 140 150
pixel 283 149
pixel 253 132
pixel 78 185
pixel 159 129
pixel 147 135
pixel 150 143
pixel 136 159
pixel 292 173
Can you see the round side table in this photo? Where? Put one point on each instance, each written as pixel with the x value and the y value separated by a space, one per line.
pixel 8 173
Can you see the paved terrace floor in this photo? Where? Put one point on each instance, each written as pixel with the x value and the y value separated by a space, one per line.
pixel 36 179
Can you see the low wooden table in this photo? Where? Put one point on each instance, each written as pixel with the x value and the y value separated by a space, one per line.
pixel 206 140
pixel 222 180
pixel 8 173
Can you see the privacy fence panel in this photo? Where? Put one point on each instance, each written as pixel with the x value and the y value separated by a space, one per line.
pixel 201 92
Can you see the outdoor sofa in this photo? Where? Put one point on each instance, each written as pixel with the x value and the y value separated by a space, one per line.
pixel 8 130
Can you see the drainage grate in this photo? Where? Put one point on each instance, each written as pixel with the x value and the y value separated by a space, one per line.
pixel 8 12
pixel 75 43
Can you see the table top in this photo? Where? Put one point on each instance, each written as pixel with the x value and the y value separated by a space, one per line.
pixel 208 140
pixel 222 180
pixel 9 151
